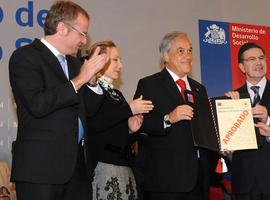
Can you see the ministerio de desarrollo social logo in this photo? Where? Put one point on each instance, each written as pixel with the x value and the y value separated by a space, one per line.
pixel 1 19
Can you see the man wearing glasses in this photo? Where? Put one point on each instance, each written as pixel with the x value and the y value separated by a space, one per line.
pixel 250 168
pixel 47 83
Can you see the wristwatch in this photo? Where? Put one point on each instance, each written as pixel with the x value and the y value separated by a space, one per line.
pixel 167 119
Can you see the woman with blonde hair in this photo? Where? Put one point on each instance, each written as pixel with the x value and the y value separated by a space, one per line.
pixel 111 130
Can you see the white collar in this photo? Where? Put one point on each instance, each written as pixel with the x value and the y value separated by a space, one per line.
pixel 261 83
pixel 51 47
pixel 175 77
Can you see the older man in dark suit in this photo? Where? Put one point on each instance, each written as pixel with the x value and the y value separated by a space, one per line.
pixel 173 168
pixel 47 82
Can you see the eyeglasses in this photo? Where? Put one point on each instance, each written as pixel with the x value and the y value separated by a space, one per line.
pixel 83 35
pixel 182 51
pixel 254 59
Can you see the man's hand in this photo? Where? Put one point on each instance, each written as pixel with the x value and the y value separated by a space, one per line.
pixel 233 94
pixel 89 68
pixel 260 112
pixel 226 152
pixel 182 112
pixel 263 128
pixel 135 123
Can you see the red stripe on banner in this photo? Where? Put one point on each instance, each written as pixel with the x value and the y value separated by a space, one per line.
pixel 241 34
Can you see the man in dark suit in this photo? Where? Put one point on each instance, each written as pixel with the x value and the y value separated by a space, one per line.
pixel 250 168
pixel 172 167
pixel 48 154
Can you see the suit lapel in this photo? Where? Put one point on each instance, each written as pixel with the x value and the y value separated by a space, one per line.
pixel 170 86
pixel 243 90
pixel 266 95
pixel 193 86
pixel 49 58
pixel 73 68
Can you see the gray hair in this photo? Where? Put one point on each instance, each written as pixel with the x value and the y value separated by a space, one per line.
pixel 166 43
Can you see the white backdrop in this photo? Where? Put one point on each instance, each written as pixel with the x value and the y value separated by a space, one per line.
pixel 136 26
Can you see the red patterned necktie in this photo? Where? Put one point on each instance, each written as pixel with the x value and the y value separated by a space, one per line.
pixel 183 87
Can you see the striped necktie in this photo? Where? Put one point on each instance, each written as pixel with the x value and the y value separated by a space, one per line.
pixel 256 99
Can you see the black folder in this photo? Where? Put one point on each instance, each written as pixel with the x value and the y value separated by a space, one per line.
pixel 204 124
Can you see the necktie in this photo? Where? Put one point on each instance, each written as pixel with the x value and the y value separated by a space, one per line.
pixel 81 130
pixel 256 98
pixel 63 64
pixel 183 87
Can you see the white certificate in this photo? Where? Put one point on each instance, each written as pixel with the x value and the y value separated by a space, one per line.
pixel 235 124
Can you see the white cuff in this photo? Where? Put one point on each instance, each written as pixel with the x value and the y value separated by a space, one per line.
pixel 73 86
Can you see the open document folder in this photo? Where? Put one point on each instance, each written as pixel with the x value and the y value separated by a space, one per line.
pixel 221 123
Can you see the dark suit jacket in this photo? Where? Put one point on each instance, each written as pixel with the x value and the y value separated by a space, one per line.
pixel 109 136
pixel 48 107
pixel 169 159
pixel 249 165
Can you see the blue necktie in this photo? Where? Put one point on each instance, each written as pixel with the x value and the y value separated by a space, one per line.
pixel 81 130
pixel 62 60
pixel 63 64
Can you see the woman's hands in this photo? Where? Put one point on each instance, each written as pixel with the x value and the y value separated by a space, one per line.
pixel 135 123
pixel 139 106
